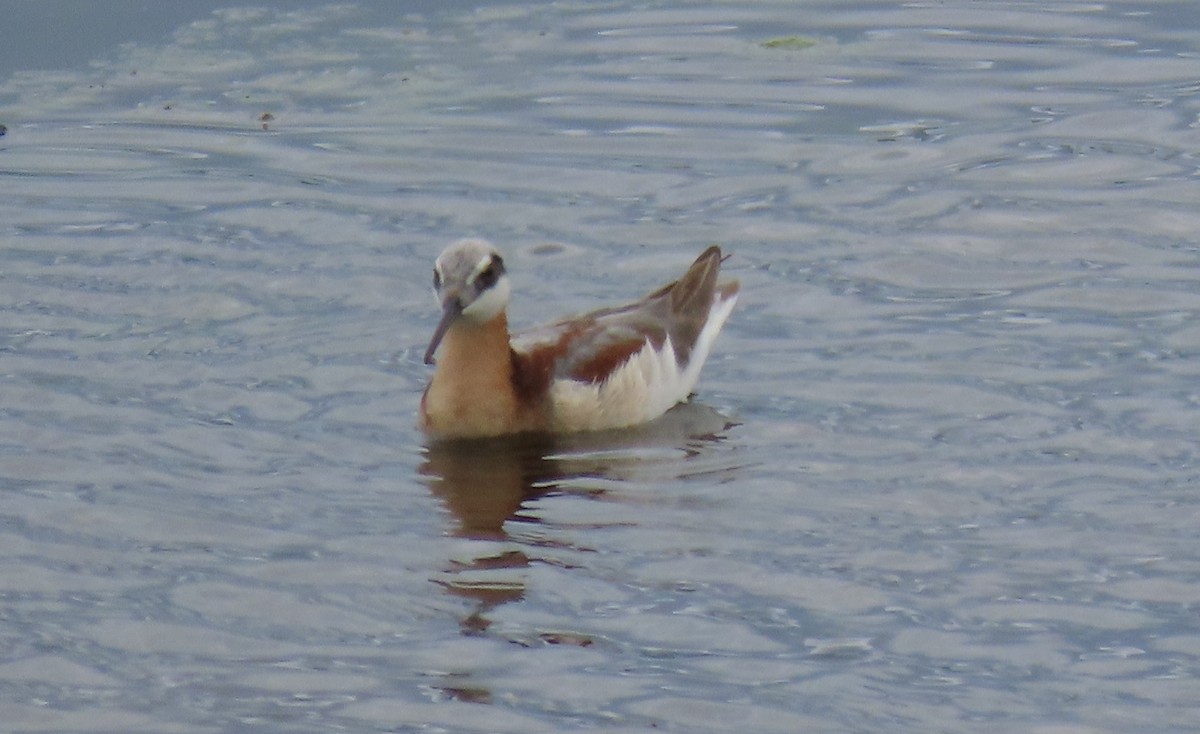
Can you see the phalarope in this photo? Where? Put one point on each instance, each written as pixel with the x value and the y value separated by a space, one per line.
pixel 610 368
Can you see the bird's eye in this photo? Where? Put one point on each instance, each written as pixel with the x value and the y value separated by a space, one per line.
pixel 437 280
pixel 490 275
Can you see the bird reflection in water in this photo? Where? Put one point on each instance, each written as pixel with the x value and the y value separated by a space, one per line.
pixel 488 484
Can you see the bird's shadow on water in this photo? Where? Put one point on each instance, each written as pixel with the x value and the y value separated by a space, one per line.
pixel 488 484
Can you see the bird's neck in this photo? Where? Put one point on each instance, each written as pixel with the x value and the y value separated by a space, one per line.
pixel 472 388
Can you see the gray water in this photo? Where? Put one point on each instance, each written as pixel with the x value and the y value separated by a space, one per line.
pixel 940 474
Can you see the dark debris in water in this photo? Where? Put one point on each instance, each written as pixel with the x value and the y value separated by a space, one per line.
pixel 566 638
pixel 548 248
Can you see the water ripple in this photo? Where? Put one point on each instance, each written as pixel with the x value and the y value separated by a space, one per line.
pixel 939 470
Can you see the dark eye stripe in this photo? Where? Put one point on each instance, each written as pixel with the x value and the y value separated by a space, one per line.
pixel 490 275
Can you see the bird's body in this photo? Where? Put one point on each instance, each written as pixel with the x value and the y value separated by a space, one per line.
pixel 606 369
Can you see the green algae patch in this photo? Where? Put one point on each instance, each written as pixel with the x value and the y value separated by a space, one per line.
pixel 789 43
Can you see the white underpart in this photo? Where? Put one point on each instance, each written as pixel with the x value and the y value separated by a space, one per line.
pixel 649 384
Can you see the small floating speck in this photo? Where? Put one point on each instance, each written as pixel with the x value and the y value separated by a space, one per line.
pixel 547 248
pixel 789 43
pixel 566 638
pixel 266 118
pixel 551 249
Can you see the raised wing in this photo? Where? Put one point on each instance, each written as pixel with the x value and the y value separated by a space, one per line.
pixel 591 347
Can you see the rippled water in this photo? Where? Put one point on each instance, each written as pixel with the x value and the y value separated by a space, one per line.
pixel 941 471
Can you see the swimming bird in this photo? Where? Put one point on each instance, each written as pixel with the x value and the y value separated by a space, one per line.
pixel 610 368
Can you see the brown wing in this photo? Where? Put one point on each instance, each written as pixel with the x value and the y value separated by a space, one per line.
pixel 609 342
pixel 591 347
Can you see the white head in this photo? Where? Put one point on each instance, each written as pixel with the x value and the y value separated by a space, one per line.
pixel 470 283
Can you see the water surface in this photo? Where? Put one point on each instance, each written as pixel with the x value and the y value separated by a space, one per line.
pixel 940 475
